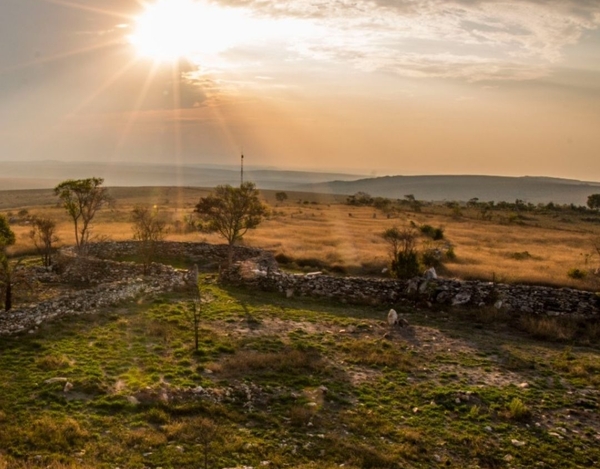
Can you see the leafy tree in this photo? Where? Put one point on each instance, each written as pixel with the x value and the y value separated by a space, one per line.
pixel 382 203
pixel 413 202
pixel 231 212
pixel 360 198
pixel 148 229
pixel 593 201
pixel 82 198
pixel 405 260
pixel 43 236
pixel 281 196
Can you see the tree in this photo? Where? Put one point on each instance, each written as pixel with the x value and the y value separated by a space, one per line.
pixel 148 229
pixel 82 198
pixel 405 260
pixel 359 199
pixel 593 201
pixel 231 212
pixel 12 276
pixel 43 236
pixel 281 196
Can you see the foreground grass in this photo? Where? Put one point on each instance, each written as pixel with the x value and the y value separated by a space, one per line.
pixel 293 383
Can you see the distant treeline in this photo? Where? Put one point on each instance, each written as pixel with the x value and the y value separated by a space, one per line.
pixel 484 208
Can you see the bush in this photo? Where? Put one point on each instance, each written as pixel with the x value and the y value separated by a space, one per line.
pixel 283 258
pixel 576 274
pixel 406 265
pixel 517 410
pixel 432 258
pixel 450 254
pixel 434 233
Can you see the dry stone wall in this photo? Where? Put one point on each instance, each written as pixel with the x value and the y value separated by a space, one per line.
pixel 104 282
pixel 202 254
pixel 424 291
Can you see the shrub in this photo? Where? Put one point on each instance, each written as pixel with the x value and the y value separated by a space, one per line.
pixel 432 258
pixel 517 410
pixel 576 274
pixel 434 233
pixel 283 258
pixel 405 259
pixel 406 265
pixel 450 254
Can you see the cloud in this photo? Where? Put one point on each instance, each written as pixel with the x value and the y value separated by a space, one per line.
pixel 471 39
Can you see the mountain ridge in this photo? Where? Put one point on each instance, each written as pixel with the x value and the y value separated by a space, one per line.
pixel 535 189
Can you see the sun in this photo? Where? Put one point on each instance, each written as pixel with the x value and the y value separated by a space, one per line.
pixel 169 30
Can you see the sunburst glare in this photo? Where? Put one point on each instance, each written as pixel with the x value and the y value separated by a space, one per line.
pixel 169 30
pixel 172 29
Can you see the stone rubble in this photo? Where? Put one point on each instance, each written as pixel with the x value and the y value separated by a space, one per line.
pixel 96 282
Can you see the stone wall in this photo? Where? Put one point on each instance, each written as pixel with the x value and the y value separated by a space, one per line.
pixel 203 254
pixel 105 282
pixel 101 284
pixel 424 291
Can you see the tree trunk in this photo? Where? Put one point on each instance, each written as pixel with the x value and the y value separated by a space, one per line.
pixel 8 297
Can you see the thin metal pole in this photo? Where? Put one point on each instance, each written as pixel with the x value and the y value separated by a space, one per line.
pixel 242 173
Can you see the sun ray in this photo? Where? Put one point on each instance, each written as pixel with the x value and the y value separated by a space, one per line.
pixel 138 105
pixel 176 78
pixel 110 81
pixel 78 6
pixel 61 56
pixel 65 119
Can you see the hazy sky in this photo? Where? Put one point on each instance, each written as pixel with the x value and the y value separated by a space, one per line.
pixel 376 87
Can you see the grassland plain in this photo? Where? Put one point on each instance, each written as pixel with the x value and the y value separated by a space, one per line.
pixel 293 383
pixel 320 232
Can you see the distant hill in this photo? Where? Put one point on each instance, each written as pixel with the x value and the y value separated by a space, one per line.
pixel 46 174
pixel 463 188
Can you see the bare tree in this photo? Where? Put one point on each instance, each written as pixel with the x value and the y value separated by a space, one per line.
pixel 148 228
pixel 7 238
pixel 43 236
pixel 82 198
pixel 231 212
pixel 13 277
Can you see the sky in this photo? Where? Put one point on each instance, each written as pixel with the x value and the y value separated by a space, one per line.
pixel 370 87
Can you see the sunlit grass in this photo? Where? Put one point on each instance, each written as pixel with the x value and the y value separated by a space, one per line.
pixel 347 239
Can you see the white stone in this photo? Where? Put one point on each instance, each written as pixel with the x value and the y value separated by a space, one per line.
pixel 392 317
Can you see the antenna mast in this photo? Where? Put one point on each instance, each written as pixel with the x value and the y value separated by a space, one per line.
pixel 242 170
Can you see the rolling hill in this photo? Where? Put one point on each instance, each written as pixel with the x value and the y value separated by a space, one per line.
pixel 46 174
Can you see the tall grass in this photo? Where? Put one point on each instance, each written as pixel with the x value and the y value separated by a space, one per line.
pixel 347 239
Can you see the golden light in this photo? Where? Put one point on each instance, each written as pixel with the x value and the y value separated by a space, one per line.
pixel 172 29
pixel 169 30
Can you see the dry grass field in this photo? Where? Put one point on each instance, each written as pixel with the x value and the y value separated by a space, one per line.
pixel 321 232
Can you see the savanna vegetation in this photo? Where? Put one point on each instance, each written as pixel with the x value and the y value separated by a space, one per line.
pixel 222 377
pixel 506 242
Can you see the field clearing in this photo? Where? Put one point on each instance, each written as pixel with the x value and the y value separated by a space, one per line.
pixel 293 383
pixel 320 232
